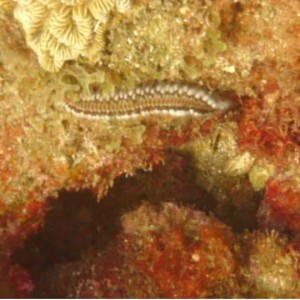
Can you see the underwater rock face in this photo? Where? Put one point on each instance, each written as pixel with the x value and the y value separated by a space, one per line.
pixel 274 275
pixel 164 253
pixel 170 251
pixel 247 159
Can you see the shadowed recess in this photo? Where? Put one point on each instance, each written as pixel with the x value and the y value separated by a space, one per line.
pixel 77 223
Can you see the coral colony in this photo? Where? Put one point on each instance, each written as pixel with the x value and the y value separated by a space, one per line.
pixel 149 149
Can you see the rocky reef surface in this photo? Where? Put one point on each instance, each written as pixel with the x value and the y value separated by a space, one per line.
pixel 149 206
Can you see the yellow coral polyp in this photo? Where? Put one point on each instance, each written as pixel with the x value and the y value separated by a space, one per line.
pixel 48 62
pixel 60 50
pixel 71 2
pixel 123 5
pixel 98 43
pixel 70 28
pixel 60 30
pixel 30 14
pixel 100 7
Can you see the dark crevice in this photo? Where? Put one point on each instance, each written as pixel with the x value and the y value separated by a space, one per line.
pixel 76 222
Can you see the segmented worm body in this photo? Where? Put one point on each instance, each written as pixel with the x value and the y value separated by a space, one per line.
pixel 164 98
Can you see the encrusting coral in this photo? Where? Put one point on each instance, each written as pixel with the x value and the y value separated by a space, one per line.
pixel 62 30
pixel 247 159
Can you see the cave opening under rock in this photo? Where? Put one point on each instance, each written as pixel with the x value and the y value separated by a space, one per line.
pixel 76 222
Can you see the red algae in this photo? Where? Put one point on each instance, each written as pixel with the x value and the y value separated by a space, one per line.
pixel 15 282
pixel 280 205
pixel 260 134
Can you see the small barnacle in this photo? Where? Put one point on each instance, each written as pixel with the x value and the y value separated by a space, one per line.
pixel 260 173
pixel 239 164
